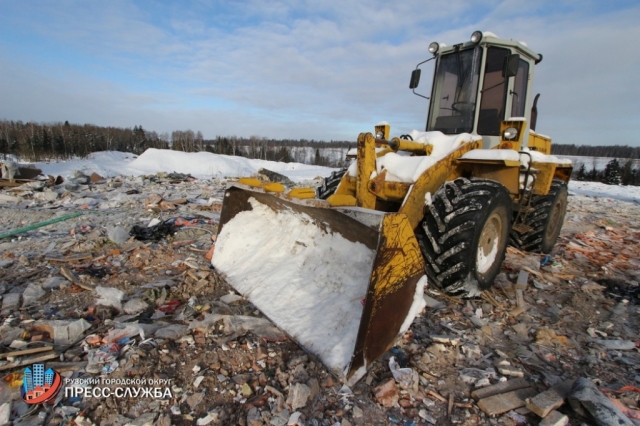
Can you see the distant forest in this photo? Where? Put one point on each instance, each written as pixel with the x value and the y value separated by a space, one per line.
pixel 614 151
pixel 61 141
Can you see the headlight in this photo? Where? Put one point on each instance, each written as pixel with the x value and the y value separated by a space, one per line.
pixel 510 133
pixel 433 47
pixel 476 36
pixel 380 134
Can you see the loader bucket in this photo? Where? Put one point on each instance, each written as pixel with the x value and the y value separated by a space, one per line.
pixel 342 284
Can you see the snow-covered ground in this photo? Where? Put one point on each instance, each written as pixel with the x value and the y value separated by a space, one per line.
pixel 202 165
pixel 206 165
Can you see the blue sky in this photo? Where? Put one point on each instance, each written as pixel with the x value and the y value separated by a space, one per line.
pixel 305 69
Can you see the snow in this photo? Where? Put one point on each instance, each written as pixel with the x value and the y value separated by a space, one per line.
pixel 544 158
pixel 309 281
pixel 113 163
pixel 538 134
pixel 403 168
pixel 202 165
pixel 417 305
pixel 600 190
pixel 492 154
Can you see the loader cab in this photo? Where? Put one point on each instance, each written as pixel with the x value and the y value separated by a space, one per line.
pixel 478 84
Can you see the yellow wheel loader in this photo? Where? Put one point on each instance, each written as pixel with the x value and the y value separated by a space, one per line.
pixel 343 269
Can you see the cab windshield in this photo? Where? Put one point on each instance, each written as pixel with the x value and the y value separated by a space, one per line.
pixel 454 93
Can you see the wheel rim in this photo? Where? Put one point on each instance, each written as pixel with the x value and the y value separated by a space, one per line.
pixel 489 243
pixel 554 221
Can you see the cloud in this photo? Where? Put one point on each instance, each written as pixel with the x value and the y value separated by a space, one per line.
pixel 305 69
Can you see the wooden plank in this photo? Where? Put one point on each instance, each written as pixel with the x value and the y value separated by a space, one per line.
pixel 501 403
pixel 26 351
pixel 508 386
pixel 30 360
pixel 69 258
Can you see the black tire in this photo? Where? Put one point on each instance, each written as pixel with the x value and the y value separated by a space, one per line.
pixel 465 219
pixel 544 222
pixel 330 184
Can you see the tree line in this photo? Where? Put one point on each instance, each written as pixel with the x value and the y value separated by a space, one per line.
pixel 613 174
pixel 36 142
pixel 617 151
pixel 62 141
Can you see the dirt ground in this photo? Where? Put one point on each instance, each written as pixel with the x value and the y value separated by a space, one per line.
pixel 221 368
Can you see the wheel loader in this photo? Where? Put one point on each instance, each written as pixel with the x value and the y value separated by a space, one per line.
pixel 342 269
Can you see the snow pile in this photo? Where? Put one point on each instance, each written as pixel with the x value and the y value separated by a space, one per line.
pixel 402 168
pixel 113 163
pixel 202 165
pixel 308 281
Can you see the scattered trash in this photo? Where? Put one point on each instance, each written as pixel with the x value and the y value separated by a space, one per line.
pixel 87 300
pixel 591 404
pixel 109 296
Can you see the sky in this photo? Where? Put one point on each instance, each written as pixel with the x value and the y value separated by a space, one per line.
pixel 322 70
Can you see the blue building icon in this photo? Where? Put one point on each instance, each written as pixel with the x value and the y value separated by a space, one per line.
pixel 48 377
pixel 38 375
pixel 39 386
pixel 27 380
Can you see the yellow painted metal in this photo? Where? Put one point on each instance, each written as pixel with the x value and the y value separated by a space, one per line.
pixel 366 166
pixel 497 162
pixel 507 176
pixel 410 146
pixel 384 128
pixel 302 193
pixel 339 200
pixel 256 183
pixel 400 256
pixel 563 172
pixel 386 149
pixel 388 191
pixel 515 143
pixel 544 177
pixel 539 143
pixel 273 187
pixel 432 179
pixel 397 268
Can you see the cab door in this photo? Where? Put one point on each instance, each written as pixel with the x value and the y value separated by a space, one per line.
pixel 493 96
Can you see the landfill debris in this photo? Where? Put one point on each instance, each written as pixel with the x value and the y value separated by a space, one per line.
pixel 175 313
pixel 587 401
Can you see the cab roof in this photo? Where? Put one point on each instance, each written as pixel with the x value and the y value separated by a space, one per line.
pixel 491 39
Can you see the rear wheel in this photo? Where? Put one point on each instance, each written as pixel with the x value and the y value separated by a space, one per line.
pixel 466 228
pixel 542 225
pixel 330 184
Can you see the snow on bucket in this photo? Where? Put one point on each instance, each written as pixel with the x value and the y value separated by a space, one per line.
pixel 341 289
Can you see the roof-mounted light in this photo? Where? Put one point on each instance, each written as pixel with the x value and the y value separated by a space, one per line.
pixel 434 47
pixel 476 37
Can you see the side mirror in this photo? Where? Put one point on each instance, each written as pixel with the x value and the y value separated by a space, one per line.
pixel 511 64
pixel 415 79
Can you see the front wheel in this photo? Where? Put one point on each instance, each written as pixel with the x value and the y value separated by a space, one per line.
pixel 466 228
